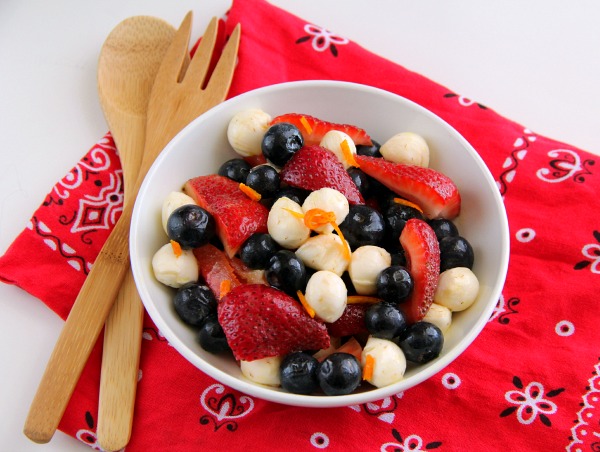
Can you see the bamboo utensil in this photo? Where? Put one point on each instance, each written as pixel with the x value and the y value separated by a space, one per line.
pixel 176 99
pixel 127 67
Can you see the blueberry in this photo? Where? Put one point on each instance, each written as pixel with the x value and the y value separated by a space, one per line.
pixel 285 271
pixel 455 252
pixel 191 226
pixel 369 151
pixel 212 337
pixel 281 142
pixel 399 257
pixel 339 374
pixel 235 169
pixel 394 284
pixel 257 250
pixel 297 195
pixel 264 179
pixel 385 196
pixel 363 226
pixel 443 228
pixel 396 216
pixel 194 303
pixel 298 373
pixel 361 180
pixel 385 320
pixel 421 342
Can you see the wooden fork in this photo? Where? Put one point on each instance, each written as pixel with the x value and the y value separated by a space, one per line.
pixel 177 98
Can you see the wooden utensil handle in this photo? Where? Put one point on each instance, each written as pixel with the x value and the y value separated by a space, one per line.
pixel 120 364
pixel 80 333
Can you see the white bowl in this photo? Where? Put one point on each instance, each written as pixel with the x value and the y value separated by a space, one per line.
pixel 202 147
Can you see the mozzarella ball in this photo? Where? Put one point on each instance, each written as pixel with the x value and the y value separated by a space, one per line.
pixel 326 293
pixel 329 200
pixel 172 270
pixel 333 139
pixel 324 252
pixel 286 229
pixel 390 362
pixel 406 147
pixel 365 265
pixel 173 201
pixel 440 316
pixel 457 289
pixel 246 130
pixel 264 371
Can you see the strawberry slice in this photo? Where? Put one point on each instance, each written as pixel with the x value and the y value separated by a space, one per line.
pixel 351 322
pixel 246 274
pixel 215 267
pixel 351 346
pixel 237 217
pixel 314 129
pixel 314 167
pixel 260 321
pixel 423 262
pixel 431 190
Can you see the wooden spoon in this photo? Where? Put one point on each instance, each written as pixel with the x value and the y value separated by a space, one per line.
pixel 127 66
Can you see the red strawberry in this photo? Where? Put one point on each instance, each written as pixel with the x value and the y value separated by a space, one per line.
pixel 351 322
pixel 247 275
pixel 237 217
pixel 431 190
pixel 351 346
pixel 314 167
pixel 215 267
pixel 313 129
pixel 260 321
pixel 423 262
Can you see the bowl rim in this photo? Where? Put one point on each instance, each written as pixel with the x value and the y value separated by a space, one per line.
pixel 320 401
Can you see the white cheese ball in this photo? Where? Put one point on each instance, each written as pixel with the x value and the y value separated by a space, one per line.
pixel 264 371
pixel 172 270
pixel 440 316
pixel 286 229
pixel 173 201
pixel 333 139
pixel 390 362
pixel 457 289
pixel 246 130
pixel 324 252
pixel 406 147
pixel 329 200
pixel 365 265
pixel 326 293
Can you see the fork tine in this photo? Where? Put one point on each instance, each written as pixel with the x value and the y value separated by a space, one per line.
pixel 220 80
pixel 198 68
pixel 176 57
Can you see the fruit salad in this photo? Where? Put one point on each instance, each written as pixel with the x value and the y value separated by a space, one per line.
pixel 322 261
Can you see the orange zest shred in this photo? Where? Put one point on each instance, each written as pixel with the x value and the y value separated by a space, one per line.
pixel 368 369
pixel 345 244
pixel 309 310
pixel 176 248
pixel 362 299
pixel 405 202
pixel 250 192
pixel 306 125
pixel 348 155
pixel 224 288
pixel 315 218
pixel 294 213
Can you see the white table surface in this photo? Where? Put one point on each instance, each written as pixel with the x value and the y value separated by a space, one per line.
pixel 535 62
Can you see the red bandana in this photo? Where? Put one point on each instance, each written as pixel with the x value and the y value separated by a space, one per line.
pixel 531 377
